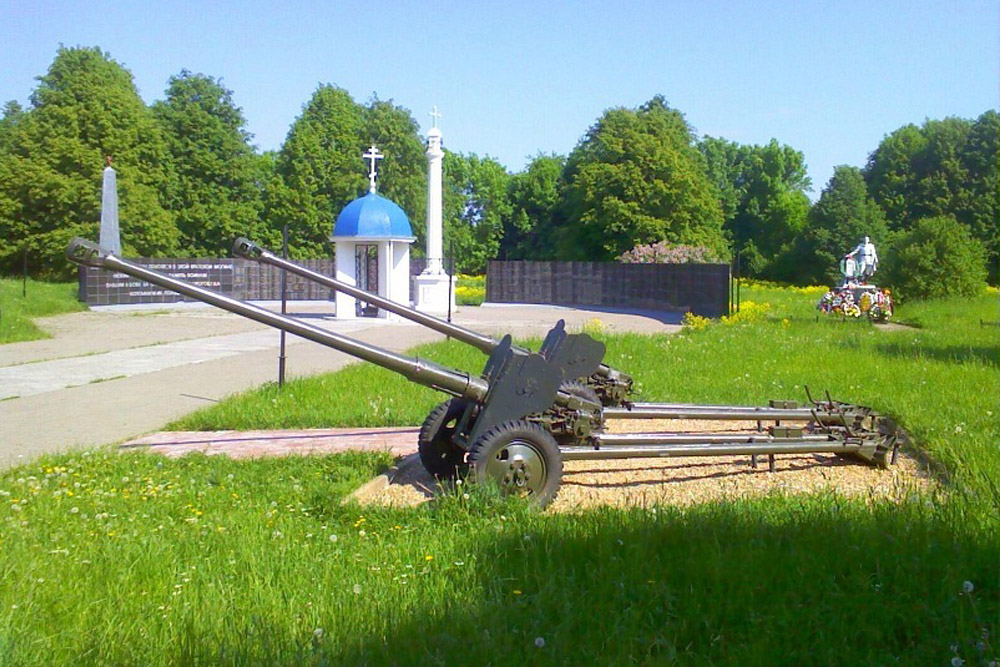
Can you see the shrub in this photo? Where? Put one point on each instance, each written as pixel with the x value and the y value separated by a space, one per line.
pixel 664 253
pixel 695 322
pixel 938 257
pixel 470 290
pixel 750 311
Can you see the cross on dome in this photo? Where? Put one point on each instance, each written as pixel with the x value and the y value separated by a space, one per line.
pixel 435 115
pixel 372 155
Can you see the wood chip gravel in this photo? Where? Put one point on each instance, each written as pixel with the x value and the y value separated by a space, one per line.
pixel 691 480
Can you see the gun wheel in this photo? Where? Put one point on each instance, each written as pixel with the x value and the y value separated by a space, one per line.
pixel 523 458
pixel 440 456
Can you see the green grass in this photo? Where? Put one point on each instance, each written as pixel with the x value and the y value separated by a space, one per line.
pixel 17 311
pixel 134 559
pixel 204 560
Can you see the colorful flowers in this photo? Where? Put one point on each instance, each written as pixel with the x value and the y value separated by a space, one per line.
pixel 857 301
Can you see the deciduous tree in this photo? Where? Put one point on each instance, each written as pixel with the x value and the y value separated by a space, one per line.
pixel 85 108
pixel 842 217
pixel 636 178
pixel 534 196
pixel 403 172
pixel 213 194
pixel 937 257
pixel 321 170
pixel 475 204
pixel 762 191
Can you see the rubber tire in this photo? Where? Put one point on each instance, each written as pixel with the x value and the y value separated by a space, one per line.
pixel 440 456
pixel 489 446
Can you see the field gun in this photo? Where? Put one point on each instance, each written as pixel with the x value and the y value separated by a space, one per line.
pixel 610 386
pixel 517 421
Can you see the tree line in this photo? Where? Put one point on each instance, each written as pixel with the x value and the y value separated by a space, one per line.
pixel 190 180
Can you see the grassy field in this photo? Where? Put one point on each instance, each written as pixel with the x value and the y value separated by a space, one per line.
pixel 135 559
pixel 17 311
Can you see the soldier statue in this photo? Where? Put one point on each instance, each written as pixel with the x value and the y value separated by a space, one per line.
pixel 865 261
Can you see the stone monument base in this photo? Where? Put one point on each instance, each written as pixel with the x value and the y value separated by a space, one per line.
pixel 432 293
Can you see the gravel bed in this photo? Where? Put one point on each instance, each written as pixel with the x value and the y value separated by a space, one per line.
pixel 692 480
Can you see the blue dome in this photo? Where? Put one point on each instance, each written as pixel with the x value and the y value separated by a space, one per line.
pixel 373 216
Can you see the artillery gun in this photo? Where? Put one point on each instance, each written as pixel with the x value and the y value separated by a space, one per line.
pixel 525 414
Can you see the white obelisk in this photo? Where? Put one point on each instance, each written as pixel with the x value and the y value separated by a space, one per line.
pixel 110 235
pixel 433 282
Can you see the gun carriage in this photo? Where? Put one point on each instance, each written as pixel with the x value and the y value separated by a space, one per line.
pixel 527 412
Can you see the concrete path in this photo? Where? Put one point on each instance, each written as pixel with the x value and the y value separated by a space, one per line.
pixel 110 375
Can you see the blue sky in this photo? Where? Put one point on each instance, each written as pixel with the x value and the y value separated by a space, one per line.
pixel 514 78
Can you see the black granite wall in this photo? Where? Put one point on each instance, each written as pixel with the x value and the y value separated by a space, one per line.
pixel 238 278
pixel 700 288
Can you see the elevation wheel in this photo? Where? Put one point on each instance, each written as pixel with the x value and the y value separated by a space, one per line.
pixel 581 390
pixel 522 457
pixel 440 456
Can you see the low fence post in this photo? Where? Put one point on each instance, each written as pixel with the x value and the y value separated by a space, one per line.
pixel 284 308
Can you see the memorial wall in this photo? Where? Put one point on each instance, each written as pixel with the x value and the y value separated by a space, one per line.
pixel 702 289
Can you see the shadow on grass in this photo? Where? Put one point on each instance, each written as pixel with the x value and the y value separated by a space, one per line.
pixel 765 583
pixel 784 580
pixel 987 355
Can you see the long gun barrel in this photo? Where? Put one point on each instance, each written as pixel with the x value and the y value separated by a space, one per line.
pixel 456 383
pixel 613 383
pixel 247 249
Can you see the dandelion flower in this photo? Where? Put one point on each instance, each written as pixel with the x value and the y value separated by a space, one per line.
pixel 517 592
pixel 357 589
pixel 428 557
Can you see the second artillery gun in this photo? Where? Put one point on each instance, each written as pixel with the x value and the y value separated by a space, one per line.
pixel 527 412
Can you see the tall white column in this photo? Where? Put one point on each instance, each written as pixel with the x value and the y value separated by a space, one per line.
pixel 433 285
pixel 435 228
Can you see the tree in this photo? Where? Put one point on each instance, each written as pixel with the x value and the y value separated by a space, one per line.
pixel 534 196
pixel 938 257
pixel 403 173
pixel 843 215
pixel 978 205
pixel 213 194
pixel 944 167
pixel 475 204
pixel 321 170
pixel 637 178
pixel 762 192
pixel 13 114
pixel 85 108
pixel 723 164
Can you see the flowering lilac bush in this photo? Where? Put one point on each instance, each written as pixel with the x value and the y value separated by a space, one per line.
pixel 663 252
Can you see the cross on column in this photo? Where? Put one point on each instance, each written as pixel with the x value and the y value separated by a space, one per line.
pixel 435 115
pixel 372 155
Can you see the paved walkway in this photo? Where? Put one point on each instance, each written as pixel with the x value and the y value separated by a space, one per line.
pixel 110 375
